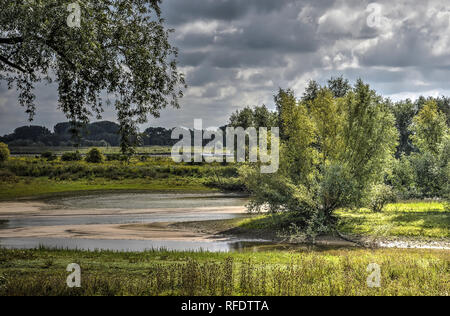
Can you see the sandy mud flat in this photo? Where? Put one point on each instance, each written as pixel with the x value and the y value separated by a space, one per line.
pixel 153 231
pixel 42 220
pixel 141 231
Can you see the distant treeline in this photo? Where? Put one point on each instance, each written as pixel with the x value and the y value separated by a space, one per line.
pixel 105 133
pixel 99 134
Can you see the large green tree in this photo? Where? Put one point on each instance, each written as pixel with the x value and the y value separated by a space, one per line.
pixel 258 116
pixel 429 128
pixel 339 86
pixel 404 112
pixel 333 152
pixel 97 52
pixel 431 163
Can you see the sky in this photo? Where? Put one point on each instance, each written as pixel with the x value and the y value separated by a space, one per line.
pixel 238 53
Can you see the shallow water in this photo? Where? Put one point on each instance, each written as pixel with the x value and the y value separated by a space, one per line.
pixel 173 209
pixel 129 202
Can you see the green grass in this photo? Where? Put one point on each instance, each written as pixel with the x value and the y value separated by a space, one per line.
pixel 330 272
pixel 409 219
pixel 44 187
pixel 32 177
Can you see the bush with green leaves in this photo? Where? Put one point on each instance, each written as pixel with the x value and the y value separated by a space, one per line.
pixel 71 156
pixel 402 178
pixel 48 155
pixel 380 196
pixel 116 157
pixel 7 176
pixel 94 156
pixel 4 152
pixel 337 189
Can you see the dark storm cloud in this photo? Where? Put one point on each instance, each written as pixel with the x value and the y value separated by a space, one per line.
pixel 206 74
pixel 273 33
pixel 239 52
pixel 182 11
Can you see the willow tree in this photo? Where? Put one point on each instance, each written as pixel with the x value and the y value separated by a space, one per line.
pixel 429 128
pixel 99 53
pixel 334 150
pixel 431 136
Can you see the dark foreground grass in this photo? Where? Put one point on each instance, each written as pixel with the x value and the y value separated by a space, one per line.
pixel 330 272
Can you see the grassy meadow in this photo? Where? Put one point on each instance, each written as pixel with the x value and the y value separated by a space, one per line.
pixel 250 272
pixel 326 272
pixel 37 150
pixel 419 219
pixel 26 177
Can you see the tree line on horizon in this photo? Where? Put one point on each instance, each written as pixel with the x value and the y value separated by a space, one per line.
pixel 106 133
pixel 98 134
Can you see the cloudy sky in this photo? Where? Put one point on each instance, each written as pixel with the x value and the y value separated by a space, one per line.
pixel 239 52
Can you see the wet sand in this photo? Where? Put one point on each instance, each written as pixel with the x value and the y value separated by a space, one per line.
pixel 147 231
pixel 178 227
pixel 18 209
pixel 153 231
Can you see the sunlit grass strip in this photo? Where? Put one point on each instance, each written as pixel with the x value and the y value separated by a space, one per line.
pixel 414 219
pixel 44 187
pixel 406 219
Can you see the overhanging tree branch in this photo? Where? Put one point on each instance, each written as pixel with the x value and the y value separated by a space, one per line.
pixel 12 65
pixel 11 41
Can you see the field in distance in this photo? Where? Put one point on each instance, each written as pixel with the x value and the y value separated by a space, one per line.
pixel 37 150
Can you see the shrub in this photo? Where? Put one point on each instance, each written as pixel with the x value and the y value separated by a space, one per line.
pixel 226 184
pixel 116 157
pixel 380 196
pixel 4 152
pixel 337 189
pixel 48 155
pixel 7 176
pixel 94 156
pixel 74 156
pixel 402 178
pixel 430 175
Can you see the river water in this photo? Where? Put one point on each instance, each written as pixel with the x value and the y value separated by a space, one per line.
pixel 127 208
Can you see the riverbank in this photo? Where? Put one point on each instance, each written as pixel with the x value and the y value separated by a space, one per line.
pixel 412 224
pixel 193 218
